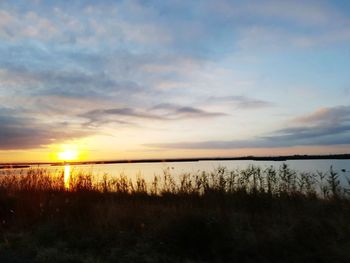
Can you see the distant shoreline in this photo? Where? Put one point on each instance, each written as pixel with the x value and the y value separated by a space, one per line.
pixel 171 160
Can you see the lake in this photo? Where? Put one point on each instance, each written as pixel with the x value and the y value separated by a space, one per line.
pixel 148 170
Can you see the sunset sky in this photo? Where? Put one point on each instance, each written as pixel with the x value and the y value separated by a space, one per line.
pixel 165 79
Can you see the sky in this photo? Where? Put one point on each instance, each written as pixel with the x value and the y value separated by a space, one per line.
pixel 172 79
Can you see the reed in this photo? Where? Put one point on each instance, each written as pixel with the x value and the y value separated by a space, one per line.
pixel 252 180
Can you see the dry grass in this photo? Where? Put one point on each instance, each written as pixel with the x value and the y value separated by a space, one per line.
pixel 252 180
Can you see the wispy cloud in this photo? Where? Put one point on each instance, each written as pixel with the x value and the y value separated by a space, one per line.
pixel 160 112
pixel 67 83
pixel 331 116
pixel 279 25
pixel 18 132
pixel 329 126
pixel 174 111
pixel 242 102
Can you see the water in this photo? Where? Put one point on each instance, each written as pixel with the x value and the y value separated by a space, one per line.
pixel 148 170
pixel 176 169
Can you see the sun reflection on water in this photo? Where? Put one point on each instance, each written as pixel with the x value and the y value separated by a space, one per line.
pixel 67 176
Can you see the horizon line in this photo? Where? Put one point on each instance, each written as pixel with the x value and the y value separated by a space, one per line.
pixel 193 159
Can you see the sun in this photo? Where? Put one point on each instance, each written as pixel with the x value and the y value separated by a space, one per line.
pixel 69 153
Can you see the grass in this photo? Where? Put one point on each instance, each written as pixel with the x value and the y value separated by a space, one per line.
pixel 249 215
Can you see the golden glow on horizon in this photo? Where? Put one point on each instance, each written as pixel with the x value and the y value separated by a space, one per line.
pixel 91 152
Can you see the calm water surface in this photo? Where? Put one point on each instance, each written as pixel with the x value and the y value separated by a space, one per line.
pixel 148 170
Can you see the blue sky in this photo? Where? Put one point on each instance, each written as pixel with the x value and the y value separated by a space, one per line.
pixel 135 79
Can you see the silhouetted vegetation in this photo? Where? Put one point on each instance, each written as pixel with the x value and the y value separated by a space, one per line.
pixel 249 215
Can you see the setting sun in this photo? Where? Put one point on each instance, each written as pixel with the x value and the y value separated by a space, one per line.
pixel 68 154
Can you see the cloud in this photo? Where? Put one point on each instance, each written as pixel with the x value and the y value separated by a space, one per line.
pixel 174 111
pixel 120 61
pixel 60 83
pixel 242 102
pixel 112 74
pixel 83 85
pixel 18 132
pixel 27 25
pixel 310 137
pixel 276 38
pixel 279 25
pixel 74 80
pixel 160 112
pixel 83 23
pixel 310 13
pixel 118 115
pixel 330 126
pixel 326 116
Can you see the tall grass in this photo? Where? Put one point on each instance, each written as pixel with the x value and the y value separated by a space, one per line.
pixel 252 180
